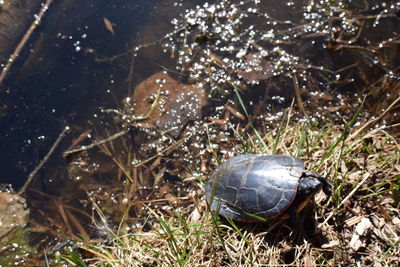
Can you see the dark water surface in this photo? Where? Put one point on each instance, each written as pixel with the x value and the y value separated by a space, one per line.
pixel 58 80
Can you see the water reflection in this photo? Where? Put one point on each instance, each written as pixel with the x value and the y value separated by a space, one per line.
pixel 56 82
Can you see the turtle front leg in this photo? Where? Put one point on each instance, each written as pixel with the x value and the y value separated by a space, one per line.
pixel 293 216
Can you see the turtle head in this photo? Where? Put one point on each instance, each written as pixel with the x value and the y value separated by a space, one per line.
pixel 326 185
pixel 309 186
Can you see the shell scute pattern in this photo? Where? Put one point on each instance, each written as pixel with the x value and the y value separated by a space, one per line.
pixel 263 185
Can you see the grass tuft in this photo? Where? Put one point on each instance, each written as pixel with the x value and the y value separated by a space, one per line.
pixel 366 181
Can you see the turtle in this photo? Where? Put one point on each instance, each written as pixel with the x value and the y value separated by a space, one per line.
pixel 254 187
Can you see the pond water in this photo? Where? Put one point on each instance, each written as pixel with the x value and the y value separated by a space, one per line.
pixel 60 78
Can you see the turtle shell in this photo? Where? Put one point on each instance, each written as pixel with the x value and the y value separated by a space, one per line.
pixel 260 185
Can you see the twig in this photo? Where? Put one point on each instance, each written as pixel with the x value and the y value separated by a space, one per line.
pixel 44 160
pixel 235 113
pixel 67 154
pixel 373 121
pixel 77 224
pixel 61 210
pixel 24 39
pixel 349 196
pixel 347 67
pixel 173 146
pixel 297 95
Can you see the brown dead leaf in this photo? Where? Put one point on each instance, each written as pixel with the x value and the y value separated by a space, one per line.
pixel 195 216
pixel 173 200
pixel 178 103
pixel 164 190
pixel 385 213
pixel 109 25
pixel 256 68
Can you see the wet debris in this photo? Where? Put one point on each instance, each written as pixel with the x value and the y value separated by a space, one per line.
pixel 15 238
pixel 164 103
pixel 229 44
pixel 13 212
pixel 256 68
pixel 238 44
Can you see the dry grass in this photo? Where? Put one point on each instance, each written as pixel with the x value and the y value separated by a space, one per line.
pixel 359 224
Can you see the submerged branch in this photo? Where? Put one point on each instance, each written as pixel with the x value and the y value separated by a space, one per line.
pixel 44 160
pixel 24 39
pixel 69 153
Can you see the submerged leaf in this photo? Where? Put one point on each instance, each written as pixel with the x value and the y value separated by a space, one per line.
pixel 175 103
pixel 109 25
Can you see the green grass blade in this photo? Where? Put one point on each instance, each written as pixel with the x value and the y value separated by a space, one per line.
pixel 71 258
pixel 243 106
pixel 344 134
